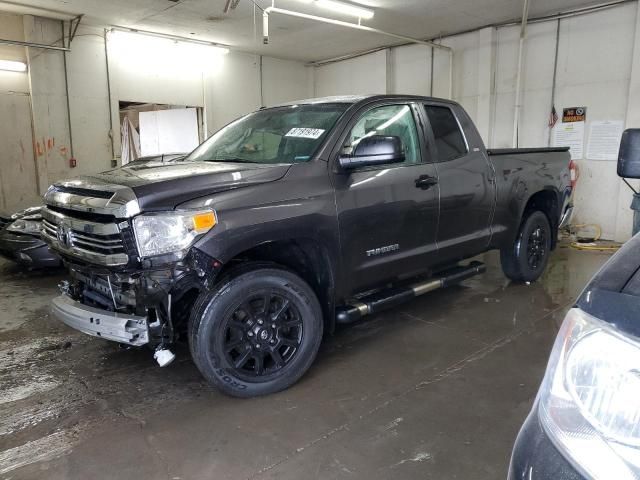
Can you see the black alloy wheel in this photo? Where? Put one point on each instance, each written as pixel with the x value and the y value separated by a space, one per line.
pixel 262 335
pixel 536 247
pixel 257 332
pixel 526 258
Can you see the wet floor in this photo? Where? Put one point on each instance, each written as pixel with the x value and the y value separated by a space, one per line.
pixel 434 389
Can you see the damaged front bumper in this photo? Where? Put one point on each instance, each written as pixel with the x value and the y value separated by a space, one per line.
pixel 148 306
pixel 119 327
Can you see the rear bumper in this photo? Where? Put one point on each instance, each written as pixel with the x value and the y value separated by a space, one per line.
pixel 27 250
pixel 565 219
pixel 118 327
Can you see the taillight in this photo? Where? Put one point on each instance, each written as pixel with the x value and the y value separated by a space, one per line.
pixel 573 173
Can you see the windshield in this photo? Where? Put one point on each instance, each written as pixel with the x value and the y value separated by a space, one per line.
pixel 276 135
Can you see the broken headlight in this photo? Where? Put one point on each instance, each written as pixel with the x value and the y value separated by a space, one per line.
pixel 31 227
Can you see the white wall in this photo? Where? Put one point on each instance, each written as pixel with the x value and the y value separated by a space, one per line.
pixel 366 74
pixel 17 177
pixel 284 81
pixel 596 53
pixel 178 74
pixel 89 104
pixel 12 82
pixel 49 102
pixel 233 90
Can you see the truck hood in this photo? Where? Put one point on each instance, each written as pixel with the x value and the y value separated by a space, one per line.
pixel 159 185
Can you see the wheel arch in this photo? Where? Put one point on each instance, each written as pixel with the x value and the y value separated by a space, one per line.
pixel 547 201
pixel 305 257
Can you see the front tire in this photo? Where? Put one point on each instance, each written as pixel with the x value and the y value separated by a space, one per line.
pixel 257 332
pixel 527 258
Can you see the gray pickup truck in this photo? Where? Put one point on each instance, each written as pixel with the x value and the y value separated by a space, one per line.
pixel 292 219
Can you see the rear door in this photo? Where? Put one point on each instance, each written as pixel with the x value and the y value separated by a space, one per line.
pixel 387 214
pixel 466 179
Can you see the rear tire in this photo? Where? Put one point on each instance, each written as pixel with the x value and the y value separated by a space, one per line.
pixel 527 258
pixel 257 332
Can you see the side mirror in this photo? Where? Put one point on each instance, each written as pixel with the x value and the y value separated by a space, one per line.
pixel 629 155
pixel 374 150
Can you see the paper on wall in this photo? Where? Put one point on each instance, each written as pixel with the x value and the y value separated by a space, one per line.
pixel 570 135
pixel 604 139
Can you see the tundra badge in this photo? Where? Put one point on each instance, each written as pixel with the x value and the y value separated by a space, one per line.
pixel 382 250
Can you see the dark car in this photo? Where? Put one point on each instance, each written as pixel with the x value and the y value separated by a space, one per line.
pixel 585 422
pixel 20 240
pixel 293 219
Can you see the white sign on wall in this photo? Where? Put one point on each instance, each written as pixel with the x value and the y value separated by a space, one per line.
pixel 604 139
pixel 570 134
pixel 168 131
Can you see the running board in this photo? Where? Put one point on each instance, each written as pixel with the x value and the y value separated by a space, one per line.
pixel 396 296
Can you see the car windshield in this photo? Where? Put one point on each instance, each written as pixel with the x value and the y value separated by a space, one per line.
pixel 277 135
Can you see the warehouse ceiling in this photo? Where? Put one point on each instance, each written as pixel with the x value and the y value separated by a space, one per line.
pixel 296 38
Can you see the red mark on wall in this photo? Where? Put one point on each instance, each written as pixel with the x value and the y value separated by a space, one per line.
pixel 46 145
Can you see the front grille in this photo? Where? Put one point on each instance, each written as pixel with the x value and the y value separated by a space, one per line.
pixel 100 243
pixel 89 216
pixel 81 222
pixel 90 242
pixel 4 222
pixel 49 229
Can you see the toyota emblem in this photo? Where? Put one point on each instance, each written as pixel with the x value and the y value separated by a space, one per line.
pixel 64 235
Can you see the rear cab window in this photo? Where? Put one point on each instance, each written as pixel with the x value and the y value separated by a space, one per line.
pixel 449 139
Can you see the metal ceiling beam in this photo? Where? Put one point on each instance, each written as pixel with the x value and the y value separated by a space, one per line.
pixel 33 45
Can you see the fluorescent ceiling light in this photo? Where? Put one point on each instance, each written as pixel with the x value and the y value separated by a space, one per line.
pixel 12 66
pixel 346 8
pixel 159 53
pixel 343 7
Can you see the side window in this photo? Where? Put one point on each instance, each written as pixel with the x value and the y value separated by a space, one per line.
pixel 390 120
pixel 448 137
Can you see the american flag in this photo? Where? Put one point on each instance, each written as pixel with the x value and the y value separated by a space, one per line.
pixel 553 117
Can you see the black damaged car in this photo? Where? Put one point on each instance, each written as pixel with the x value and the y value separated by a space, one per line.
pixel 20 240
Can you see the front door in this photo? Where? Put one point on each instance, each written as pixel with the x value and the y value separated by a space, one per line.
pixel 387 214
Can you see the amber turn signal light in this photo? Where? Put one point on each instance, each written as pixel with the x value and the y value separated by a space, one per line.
pixel 203 222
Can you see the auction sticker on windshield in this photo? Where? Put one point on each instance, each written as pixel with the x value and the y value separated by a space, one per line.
pixel 313 133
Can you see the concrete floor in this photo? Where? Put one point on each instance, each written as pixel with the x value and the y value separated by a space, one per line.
pixel 435 389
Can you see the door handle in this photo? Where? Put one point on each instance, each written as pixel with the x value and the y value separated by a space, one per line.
pixel 425 182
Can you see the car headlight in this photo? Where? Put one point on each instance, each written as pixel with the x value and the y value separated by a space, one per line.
pixel 589 402
pixel 170 232
pixel 24 226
